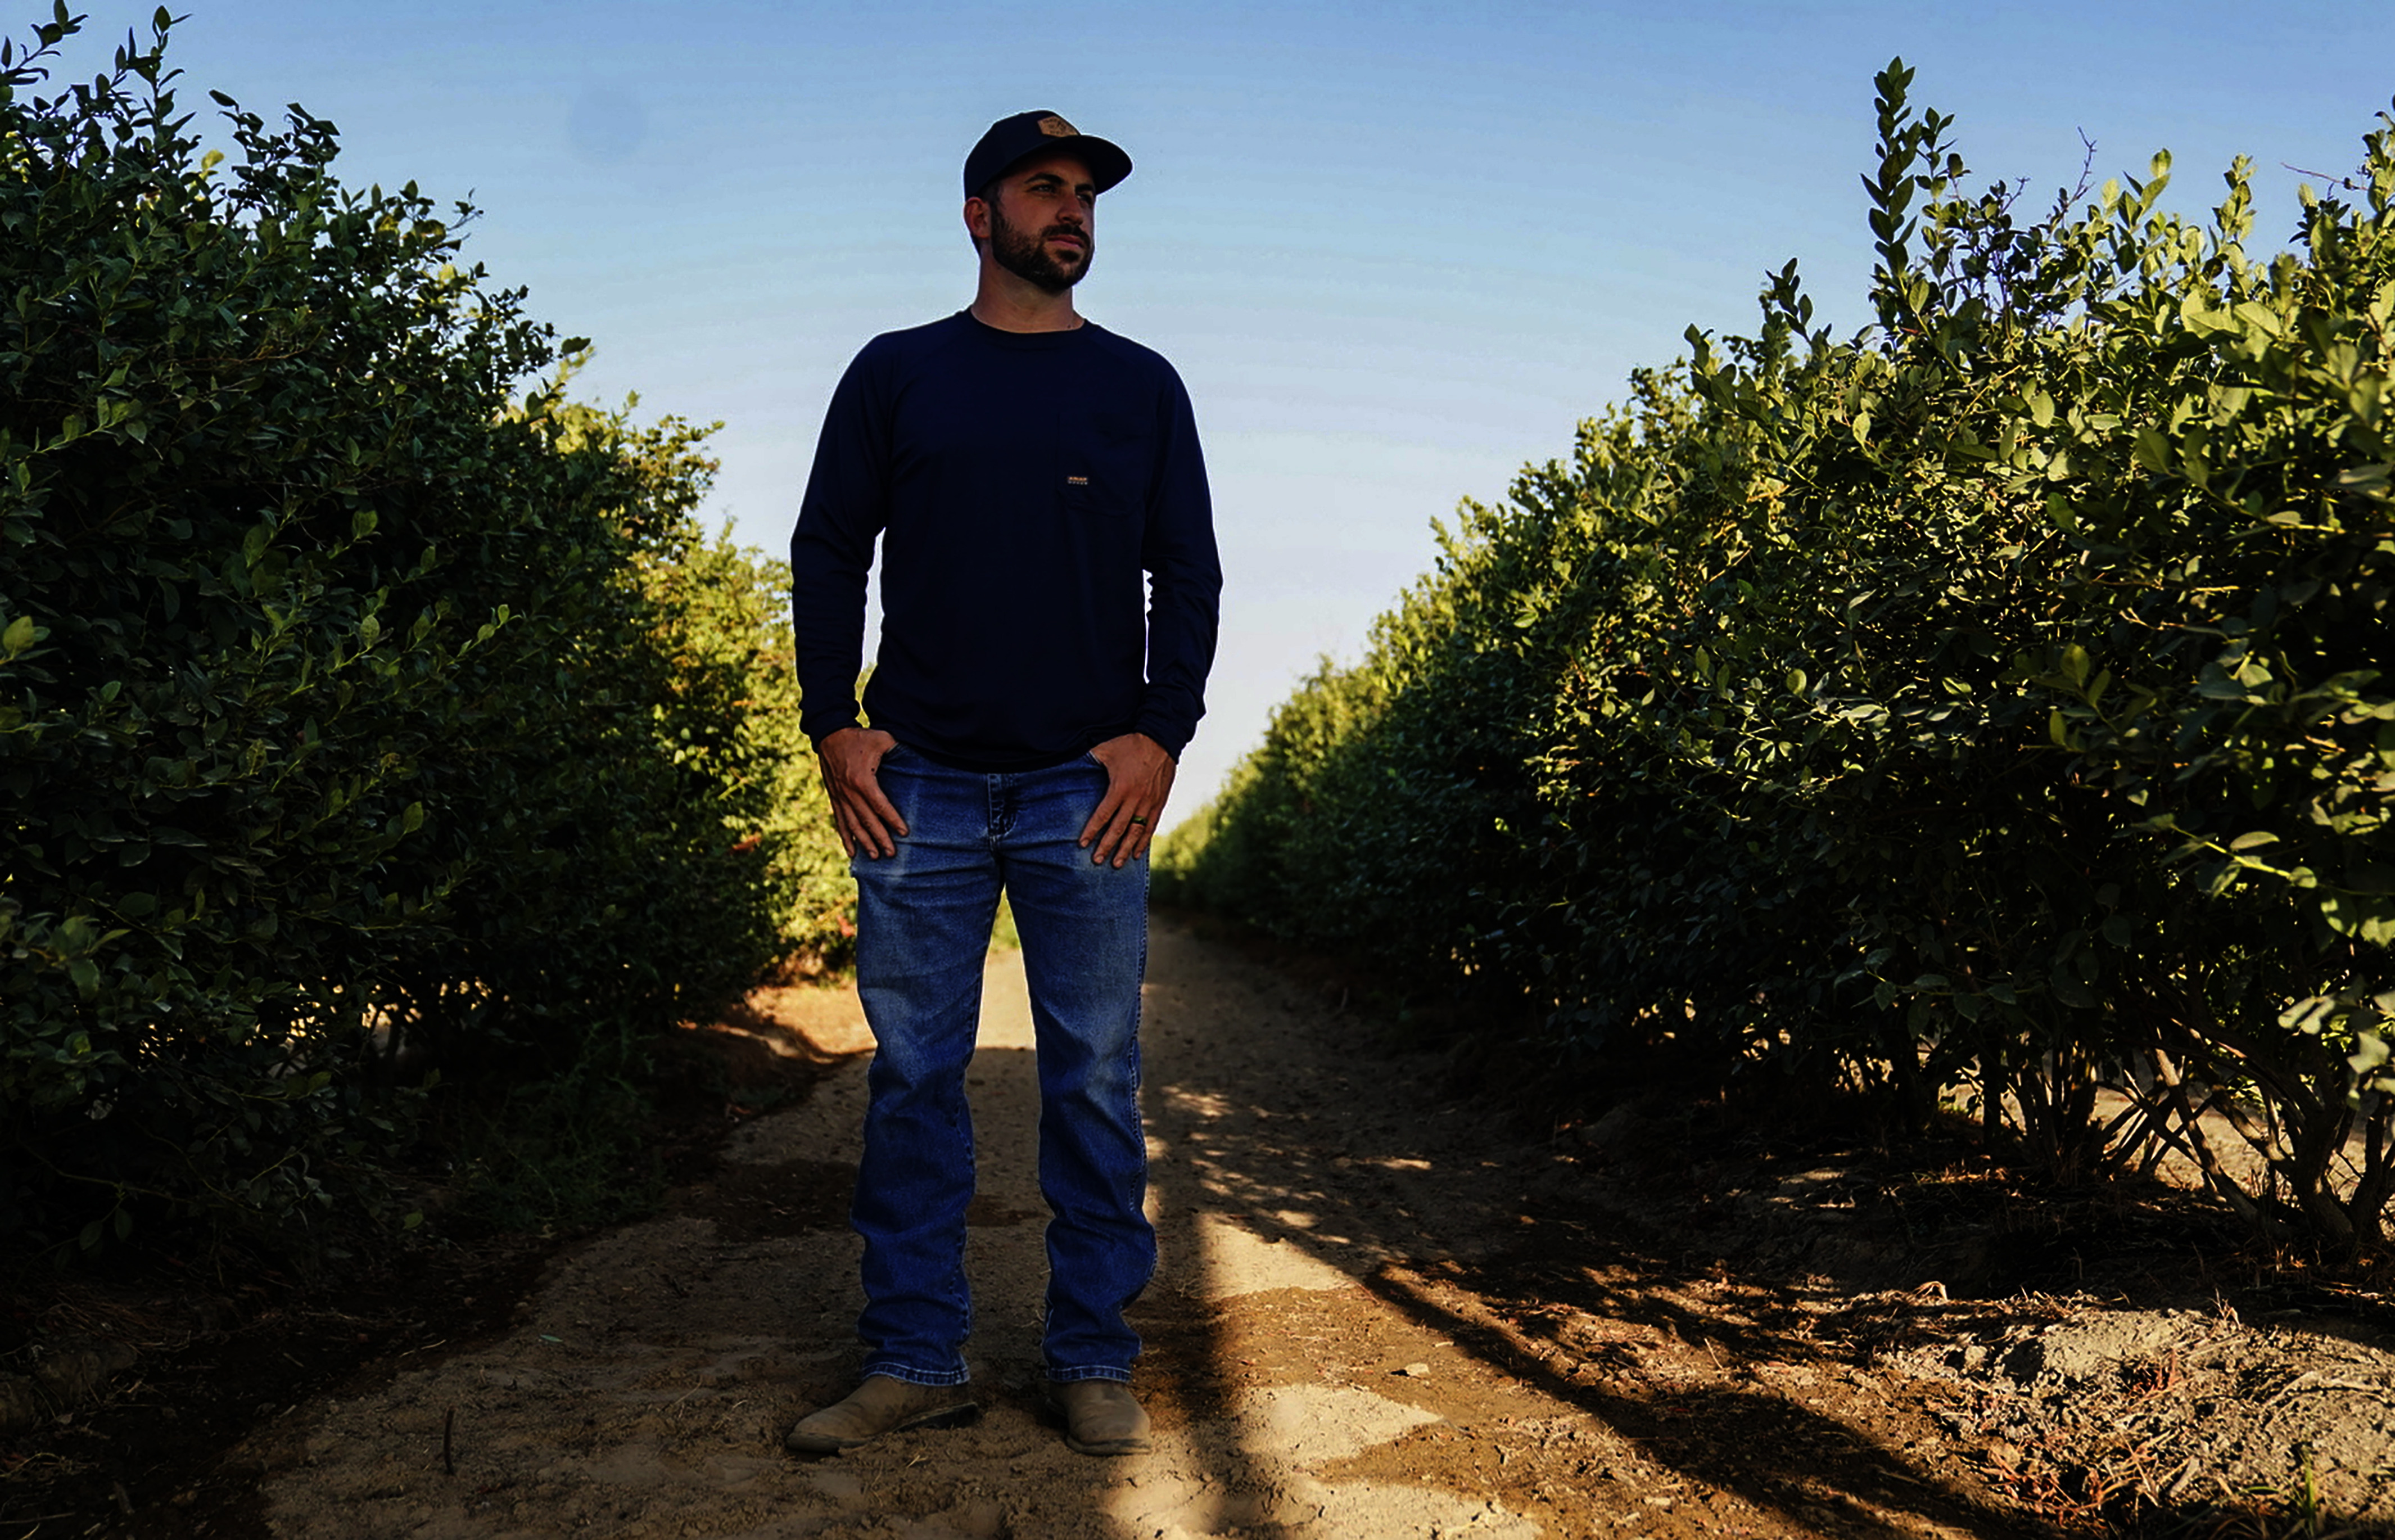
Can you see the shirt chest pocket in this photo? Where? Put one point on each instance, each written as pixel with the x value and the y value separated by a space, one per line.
pixel 1108 460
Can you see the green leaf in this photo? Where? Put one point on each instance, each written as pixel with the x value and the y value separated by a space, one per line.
pixel 2258 318
pixel 2370 1053
pixel 2311 1016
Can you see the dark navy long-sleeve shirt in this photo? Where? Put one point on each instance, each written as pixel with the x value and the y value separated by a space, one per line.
pixel 1021 482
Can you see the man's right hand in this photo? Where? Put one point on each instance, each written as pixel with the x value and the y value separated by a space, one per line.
pixel 850 759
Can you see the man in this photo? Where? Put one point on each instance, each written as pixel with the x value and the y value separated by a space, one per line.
pixel 1022 468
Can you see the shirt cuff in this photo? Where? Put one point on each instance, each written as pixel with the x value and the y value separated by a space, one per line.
pixel 817 732
pixel 1172 737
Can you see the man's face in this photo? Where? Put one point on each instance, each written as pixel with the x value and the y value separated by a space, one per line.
pixel 1040 222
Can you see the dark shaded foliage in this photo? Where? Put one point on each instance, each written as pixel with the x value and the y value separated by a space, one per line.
pixel 357 719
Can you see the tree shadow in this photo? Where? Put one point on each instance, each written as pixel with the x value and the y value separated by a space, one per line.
pixel 1754 1379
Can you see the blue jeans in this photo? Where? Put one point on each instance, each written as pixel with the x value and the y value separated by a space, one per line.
pixel 922 931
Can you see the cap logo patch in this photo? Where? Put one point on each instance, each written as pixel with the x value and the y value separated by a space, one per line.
pixel 1057 127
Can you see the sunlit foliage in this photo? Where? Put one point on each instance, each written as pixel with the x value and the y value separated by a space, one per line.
pixel 1988 709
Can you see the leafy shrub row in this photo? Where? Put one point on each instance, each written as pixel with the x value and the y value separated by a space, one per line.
pixel 1989 709
pixel 357 720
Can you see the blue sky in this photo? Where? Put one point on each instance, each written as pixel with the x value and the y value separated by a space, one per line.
pixel 1397 250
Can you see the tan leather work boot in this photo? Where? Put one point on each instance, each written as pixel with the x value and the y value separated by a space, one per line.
pixel 881 1405
pixel 1102 1417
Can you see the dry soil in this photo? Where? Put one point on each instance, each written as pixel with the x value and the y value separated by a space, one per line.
pixel 1383 1312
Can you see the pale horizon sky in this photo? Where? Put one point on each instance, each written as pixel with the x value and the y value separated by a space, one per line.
pixel 1397 250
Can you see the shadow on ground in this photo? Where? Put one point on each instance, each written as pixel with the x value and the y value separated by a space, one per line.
pixel 1383 1312
pixel 1784 1330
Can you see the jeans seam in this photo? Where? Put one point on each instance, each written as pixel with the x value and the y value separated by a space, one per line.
pixel 909 1375
pixel 915 1330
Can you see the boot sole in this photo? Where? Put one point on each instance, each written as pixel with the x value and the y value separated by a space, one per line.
pixel 945 1417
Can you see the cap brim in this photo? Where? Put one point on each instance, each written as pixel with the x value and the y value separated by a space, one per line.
pixel 1105 158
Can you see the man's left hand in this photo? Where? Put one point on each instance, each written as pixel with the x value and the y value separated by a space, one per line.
pixel 1139 776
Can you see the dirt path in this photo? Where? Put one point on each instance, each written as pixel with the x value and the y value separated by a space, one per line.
pixel 1377 1317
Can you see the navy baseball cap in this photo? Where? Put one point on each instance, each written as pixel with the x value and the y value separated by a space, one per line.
pixel 1026 134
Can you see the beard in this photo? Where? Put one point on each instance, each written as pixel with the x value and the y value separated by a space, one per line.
pixel 1024 254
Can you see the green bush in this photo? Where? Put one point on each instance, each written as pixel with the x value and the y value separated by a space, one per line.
pixel 1990 707
pixel 730 713
pixel 356 720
